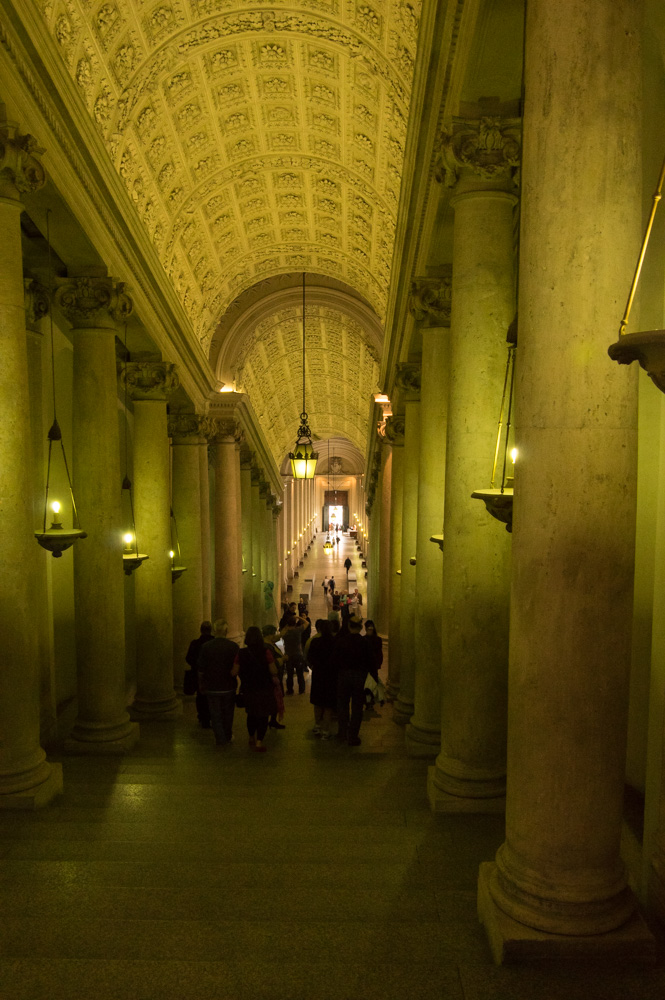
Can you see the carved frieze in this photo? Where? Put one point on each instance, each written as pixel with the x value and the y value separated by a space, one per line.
pixel 430 301
pixel 153 380
pixel 488 147
pixel 93 303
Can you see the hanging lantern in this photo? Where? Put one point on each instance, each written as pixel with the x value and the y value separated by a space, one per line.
pixel 647 347
pixel 499 499
pixel 56 538
pixel 303 457
pixel 177 569
pixel 327 545
pixel 131 558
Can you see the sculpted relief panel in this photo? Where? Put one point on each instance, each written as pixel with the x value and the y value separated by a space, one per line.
pixel 252 141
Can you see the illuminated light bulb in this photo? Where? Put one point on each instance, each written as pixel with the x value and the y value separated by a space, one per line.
pixel 128 538
pixel 171 553
pixel 55 507
pixel 513 454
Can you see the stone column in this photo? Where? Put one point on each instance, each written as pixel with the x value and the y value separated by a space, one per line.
pixel 204 486
pixel 408 379
pixel 150 382
pixel 257 541
pixel 423 737
pixel 395 435
pixel 94 304
pixel 187 442
pixel 479 157
pixel 276 537
pixel 27 779
pixel 36 308
pixel 228 570
pixel 559 886
pixel 247 533
pixel 381 523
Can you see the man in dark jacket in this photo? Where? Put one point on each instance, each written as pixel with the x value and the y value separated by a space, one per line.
pixel 217 680
pixel 352 658
pixel 191 682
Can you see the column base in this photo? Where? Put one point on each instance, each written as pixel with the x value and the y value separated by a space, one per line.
pixel 422 742
pixel 155 711
pixel 402 712
pixel 441 801
pixel 37 797
pixel 99 743
pixel 511 941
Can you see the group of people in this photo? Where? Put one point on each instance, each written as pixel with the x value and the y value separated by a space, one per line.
pixel 338 655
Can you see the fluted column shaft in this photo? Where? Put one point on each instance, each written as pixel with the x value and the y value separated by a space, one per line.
pixel 404 702
pixel 424 731
pixel 395 434
pixel 26 778
pixel 560 869
pixel 186 446
pixel 228 570
pixel 470 770
pixel 149 384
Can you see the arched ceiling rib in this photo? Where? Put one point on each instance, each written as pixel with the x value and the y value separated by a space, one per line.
pixel 253 140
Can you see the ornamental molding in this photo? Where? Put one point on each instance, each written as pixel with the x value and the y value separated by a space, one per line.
pixel 93 303
pixel 430 301
pixel 394 432
pixel 408 378
pixel 188 428
pixel 150 380
pixel 487 147
pixel 21 170
pixel 37 302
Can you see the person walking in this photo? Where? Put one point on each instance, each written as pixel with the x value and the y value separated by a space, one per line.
pixel 271 637
pixel 352 658
pixel 331 585
pixel 347 566
pixel 258 683
pixel 323 691
pixel 217 680
pixel 191 678
pixel 295 658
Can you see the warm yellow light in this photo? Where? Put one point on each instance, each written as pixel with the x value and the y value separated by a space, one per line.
pixel 55 507
pixel 513 454
pixel 128 538
pixel 171 553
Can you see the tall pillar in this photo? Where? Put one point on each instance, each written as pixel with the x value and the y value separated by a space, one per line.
pixel 228 569
pixel 395 435
pixel 187 442
pixel 408 379
pixel 247 533
pixel 36 308
pixel 257 541
pixel 277 510
pixel 149 384
pixel 27 779
pixel 382 526
pixel 204 488
pixel 470 771
pixel 94 304
pixel 559 884
pixel 423 736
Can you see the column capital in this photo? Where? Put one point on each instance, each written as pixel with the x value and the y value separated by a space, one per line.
pixel 246 457
pixel 407 379
pixel 277 508
pixel 20 169
pixel 225 431
pixel 150 380
pixel 486 147
pixel 430 300
pixel 93 302
pixel 394 430
pixel 37 303
pixel 188 428
pixel 256 476
pixel 264 489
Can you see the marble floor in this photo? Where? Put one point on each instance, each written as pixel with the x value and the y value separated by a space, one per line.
pixel 312 872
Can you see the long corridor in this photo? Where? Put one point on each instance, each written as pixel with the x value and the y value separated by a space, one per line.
pixel 181 872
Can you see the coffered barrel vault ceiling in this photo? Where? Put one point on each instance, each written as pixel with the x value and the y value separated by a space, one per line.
pixel 253 140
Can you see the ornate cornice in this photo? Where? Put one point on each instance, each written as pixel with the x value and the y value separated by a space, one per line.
pixel 407 378
pixel 20 169
pixel 150 380
pixel 93 302
pixel 37 302
pixel 394 432
pixel 188 428
pixel 488 147
pixel 430 301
